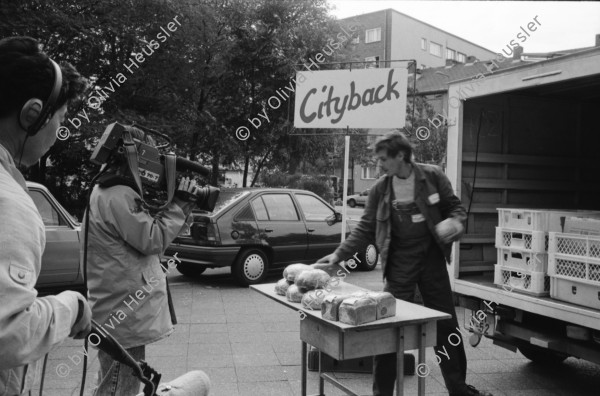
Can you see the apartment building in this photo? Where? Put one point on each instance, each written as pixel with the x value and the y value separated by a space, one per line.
pixel 390 35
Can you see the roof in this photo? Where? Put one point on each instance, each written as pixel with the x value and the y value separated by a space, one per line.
pixel 436 79
pixel 424 23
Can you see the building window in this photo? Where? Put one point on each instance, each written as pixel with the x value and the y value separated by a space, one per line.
pixel 371 62
pixel 369 172
pixel 450 54
pixel 462 58
pixel 373 35
pixel 424 44
pixel 435 49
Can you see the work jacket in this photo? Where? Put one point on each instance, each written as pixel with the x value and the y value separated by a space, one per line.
pixel 127 286
pixel 29 326
pixel 433 196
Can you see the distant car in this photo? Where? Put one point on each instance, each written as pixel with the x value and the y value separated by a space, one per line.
pixel 255 230
pixel 61 267
pixel 358 199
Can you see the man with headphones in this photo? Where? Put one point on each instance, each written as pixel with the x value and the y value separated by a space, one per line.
pixel 34 94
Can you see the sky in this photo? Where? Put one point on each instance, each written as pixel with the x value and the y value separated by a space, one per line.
pixel 492 24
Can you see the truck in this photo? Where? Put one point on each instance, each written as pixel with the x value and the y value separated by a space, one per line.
pixel 524 137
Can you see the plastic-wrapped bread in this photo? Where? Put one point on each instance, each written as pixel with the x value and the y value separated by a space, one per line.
pixel 294 294
pixel 312 279
pixel 331 306
pixel 358 310
pixel 386 304
pixel 314 298
pixel 291 271
pixel 281 287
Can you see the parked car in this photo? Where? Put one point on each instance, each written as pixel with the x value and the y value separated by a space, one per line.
pixel 256 230
pixel 358 199
pixel 61 267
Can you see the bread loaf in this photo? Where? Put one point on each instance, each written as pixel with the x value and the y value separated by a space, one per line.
pixel 312 279
pixel 331 305
pixel 386 304
pixel 291 271
pixel 358 310
pixel 294 294
pixel 281 287
pixel 314 298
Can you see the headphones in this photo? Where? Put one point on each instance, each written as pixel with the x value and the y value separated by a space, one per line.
pixel 31 108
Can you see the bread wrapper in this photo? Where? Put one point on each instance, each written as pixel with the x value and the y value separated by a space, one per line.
pixel 331 306
pixel 313 299
pixel 281 287
pixel 294 294
pixel 358 310
pixel 312 279
pixel 291 271
pixel 386 304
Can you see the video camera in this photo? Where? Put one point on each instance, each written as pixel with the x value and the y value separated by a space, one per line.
pixel 156 171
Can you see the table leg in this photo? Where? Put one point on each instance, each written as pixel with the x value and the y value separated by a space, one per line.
pixel 422 343
pixel 321 380
pixel 400 363
pixel 303 363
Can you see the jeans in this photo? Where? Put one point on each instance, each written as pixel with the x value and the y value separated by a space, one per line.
pixel 431 276
pixel 116 379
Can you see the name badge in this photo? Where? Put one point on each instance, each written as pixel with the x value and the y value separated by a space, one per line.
pixel 417 218
pixel 434 198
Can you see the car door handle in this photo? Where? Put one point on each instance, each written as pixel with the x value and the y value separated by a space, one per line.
pixel 311 229
pixel 268 230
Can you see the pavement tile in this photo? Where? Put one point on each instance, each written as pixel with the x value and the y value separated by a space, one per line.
pixel 260 374
pixel 220 375
pixel 218 318
pixel 254 359
pixel 286 346
pixel 267 388
pixel 511 381
pixel 224 389
pixel 487 366
pixel 207 328
pixel 162 350
pixel 242 318
pixel 209 338
pixel 208 349
pixel 288 358
pixel 200 362
pixel 290 325
pixel 259 347
pixel 254 327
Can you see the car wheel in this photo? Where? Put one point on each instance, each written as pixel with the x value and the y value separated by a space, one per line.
pixel 368 258
pixel 250 268
pixel 541 355
pixel 351 203
pixel 190 270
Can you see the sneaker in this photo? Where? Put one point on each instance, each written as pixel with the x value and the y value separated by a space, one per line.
pixel 471 391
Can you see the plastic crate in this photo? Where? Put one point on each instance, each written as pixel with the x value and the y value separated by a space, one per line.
pixel 530 241
pixel 575 292
pixel 579 269
pixel 511 279
pixel 574 245
pixel 537 219
pixel 523 260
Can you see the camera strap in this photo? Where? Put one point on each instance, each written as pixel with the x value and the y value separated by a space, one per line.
pixel 132 161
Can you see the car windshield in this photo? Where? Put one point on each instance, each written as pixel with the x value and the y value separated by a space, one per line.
pixel 227 197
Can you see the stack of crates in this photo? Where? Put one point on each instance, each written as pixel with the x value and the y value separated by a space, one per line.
pixel 574 268
pixel 522 244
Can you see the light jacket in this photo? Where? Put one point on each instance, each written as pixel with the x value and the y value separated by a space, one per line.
pixel 29 326
pixel 127 286
pixel 433 196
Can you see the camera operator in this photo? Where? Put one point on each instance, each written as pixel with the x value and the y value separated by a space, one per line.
pixel 34 93
pixel 127 286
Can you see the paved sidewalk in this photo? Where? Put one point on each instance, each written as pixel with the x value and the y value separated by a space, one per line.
pixel 250 346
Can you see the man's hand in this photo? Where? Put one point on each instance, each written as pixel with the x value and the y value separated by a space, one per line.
pixel 449 230
pixel 329 260
pixel 83 323
pixel 328 264
pixel 185 194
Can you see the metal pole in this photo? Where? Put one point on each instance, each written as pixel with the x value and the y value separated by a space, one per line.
pixel 345 195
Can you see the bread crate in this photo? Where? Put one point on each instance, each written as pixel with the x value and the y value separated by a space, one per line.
pixel 575 292
pixel 538 219
pixel 523 260
pixel 530 241
pixel 574 245
pixel 510 279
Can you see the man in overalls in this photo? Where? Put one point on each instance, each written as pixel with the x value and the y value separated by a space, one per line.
pixel 414 216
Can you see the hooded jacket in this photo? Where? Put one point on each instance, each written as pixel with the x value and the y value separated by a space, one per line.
pixel 433 196
pixel 127 286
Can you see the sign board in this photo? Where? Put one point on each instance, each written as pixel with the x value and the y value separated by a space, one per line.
pixel 363 98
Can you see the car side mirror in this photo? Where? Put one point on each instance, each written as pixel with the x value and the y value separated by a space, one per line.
pixel 334 218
